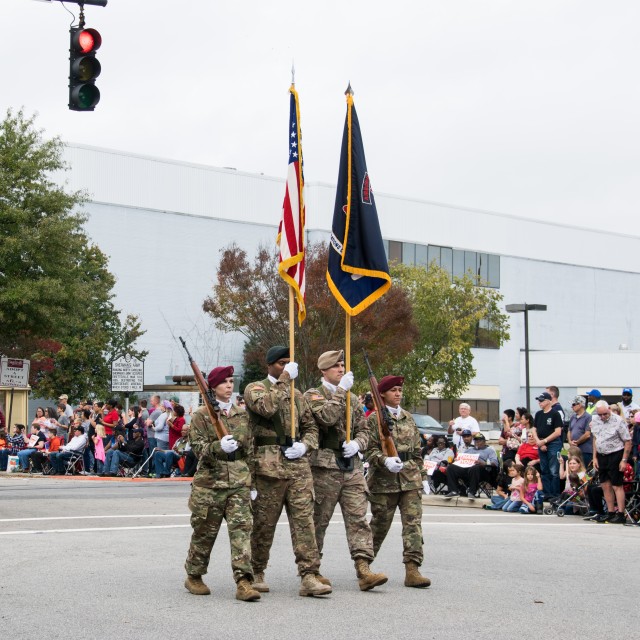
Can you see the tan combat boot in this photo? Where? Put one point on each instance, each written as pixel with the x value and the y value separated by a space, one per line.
pixel 413 577
pixel 366 579
pixel 195 585
pixel 259 584
pixel 311 586
pixel 246 592
pixel 323 580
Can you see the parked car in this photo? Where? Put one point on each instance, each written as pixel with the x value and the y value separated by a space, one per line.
pixel 428 426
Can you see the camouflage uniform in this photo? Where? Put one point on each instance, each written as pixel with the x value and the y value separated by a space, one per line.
pixel 330 484
pixel 281 482
pixel 403 490
pixel 220 490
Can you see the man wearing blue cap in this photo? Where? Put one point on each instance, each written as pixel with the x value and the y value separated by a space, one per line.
pixel 592 397
pixel 628 406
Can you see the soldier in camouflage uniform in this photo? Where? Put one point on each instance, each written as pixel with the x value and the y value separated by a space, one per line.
pixel 283 475
pixel 221 489
pixel 398 482
pixel 345 483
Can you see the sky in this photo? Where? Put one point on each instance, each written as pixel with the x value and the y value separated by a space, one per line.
pixel 526 107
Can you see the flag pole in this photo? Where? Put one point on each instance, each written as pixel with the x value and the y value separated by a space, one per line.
pixel 347 336
pixel 292 347
pixel 347 366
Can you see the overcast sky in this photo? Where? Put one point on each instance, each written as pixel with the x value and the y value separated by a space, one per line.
pixel 526 107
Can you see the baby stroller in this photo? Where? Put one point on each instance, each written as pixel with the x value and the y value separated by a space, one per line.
pixel 575 498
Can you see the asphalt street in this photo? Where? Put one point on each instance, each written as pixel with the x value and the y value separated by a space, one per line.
pixel 103 559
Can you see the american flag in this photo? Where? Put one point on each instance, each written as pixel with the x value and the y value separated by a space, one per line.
pixel 291 238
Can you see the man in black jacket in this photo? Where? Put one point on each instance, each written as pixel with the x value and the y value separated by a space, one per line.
pixel 123 451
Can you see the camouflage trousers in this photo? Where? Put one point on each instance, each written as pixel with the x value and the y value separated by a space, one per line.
pixel 332 486
pixel 296 496
pixel 208 508
pixel 383 508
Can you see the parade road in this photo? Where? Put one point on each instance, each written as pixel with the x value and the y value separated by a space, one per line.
pixel 104 559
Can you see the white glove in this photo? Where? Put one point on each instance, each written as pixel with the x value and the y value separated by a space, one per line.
pixel 347 381
pixel 350 448
pixel 292 369
pixel 228 444
pixel 254 494
pixel 296 450
pixel 425 486
pixel 394 465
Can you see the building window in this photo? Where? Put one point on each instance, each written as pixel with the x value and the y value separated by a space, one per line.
pixel 422 255
pixel 458 263
pixel 446 259
pixel 485 338
pixel 395 251
pixel 494 271
pixel 408 253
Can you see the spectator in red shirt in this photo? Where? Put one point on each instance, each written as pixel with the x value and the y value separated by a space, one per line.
pixel 110 418
pixel 176 422
pixel 528 451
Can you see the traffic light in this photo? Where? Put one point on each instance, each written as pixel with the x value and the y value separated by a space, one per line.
pixel 84 68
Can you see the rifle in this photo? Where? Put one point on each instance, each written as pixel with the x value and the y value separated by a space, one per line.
pixel 385 422
pixel 209 399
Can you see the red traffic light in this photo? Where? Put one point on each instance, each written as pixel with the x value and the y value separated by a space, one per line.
pixel 87 41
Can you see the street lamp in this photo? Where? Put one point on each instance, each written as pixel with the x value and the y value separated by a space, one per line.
pixel 525 308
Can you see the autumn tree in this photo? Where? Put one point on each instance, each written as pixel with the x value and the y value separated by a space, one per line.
pixel 451 317
pixel 56 291
pixel 250 297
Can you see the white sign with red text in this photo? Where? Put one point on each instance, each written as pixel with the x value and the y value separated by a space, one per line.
pixel 430 466
pixel 466 460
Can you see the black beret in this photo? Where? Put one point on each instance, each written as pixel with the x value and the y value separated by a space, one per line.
pixel 275 353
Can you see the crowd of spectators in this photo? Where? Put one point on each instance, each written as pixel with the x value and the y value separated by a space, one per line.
pixel 152 436
pixel 582 464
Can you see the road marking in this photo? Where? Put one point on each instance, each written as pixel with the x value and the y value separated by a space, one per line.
pixel 142 515
pixel 224 524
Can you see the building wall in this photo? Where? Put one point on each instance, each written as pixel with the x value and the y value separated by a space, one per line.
pixel 163 223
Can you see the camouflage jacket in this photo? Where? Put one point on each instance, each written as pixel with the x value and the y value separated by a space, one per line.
pixel 329 411
pixel 269 412
pixel 214 470
pixel 407 440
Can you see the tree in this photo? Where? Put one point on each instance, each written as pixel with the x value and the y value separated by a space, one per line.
pixel 55 288
pixel 253 299
pixel 449 317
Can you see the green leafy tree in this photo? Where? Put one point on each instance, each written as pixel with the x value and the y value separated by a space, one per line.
pixel 450 317
pixel 253 299
pixel 55 289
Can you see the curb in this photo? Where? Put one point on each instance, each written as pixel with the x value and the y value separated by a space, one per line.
pixel 440 501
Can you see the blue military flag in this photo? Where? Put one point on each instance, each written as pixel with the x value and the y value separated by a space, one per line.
pixel 358 272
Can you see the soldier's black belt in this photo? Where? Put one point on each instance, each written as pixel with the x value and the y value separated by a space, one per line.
pixel 238 454
pixel 265 441
pixel 405 456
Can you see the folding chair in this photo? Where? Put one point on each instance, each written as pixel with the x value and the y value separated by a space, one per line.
pixel 75 464
pixel 130 469
pixel 632 505
pixel 144 464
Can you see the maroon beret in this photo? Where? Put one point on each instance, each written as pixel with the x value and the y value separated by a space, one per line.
pixel 388 382
pixel 218 376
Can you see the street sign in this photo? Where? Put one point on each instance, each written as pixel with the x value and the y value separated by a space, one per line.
pixel 127 374
pixel 14 372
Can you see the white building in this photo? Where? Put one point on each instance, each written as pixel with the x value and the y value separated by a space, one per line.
pixel 163 223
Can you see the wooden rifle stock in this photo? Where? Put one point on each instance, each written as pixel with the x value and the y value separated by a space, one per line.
pixel 208 397
pixel 382 413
